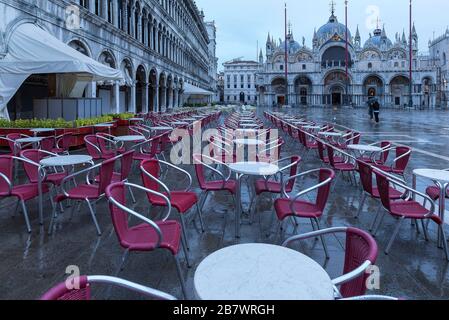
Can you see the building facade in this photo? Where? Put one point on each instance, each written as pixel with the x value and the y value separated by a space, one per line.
pixel 240 81
pixel 158 44
pixel 317 75
pixel 439 51
pixel 220 87
pixel 213 60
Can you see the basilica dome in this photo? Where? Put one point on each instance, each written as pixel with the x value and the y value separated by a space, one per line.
pixel 331 28
pixel 379 41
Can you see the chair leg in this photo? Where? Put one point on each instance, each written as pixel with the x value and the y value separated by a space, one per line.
pixel 376 217
pixel 184 233
pixel 362 203
pixel 186 253
pixel 131 193
pixel 94 218
pixel 323 241
pixel 376 230
pixel 16 209
pixel 426 235
pixel 200 216
pixel 54 214
pixel 25 215
pixel 203 201
pixel 444 241
pixel 181 277
pixel 395 234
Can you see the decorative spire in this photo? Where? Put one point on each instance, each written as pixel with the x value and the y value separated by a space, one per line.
pixel 332 7
pixel 268 38
pixel 357 33
pixel 384 33
pixel 404 39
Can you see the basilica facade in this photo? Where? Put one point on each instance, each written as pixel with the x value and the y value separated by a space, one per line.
pixel 162 48
pixel 377 66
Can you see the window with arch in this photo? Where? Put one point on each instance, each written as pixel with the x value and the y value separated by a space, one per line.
pixel 370 65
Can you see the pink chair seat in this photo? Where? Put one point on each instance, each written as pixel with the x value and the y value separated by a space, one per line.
pixel 81 192
pixel 411 210
pixel 336 160
pixel 230 186
pixel 26 192
pixel 143 237
pixel 182 201
pixel 116 177
pixel 143 156
pixel 56 178
pixel 109 154
pixel 394 194
pixel 389 169
pixel 344 166
pixel 303 209
pixel 434 192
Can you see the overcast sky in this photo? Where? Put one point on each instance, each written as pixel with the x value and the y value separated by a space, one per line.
pixel 241 23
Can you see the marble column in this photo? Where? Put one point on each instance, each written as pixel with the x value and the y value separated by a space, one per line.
pixel 115 12
pixel 132 28
pixel 116 98
pixel 91 90
pixel 125 15
pixel 133 98
pixel 145 98
pixel 104 9
pixel 139 27
pixel 156 96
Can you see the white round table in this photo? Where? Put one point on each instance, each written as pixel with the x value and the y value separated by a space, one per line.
pixel 179 123
pixel 64 161
pixel 248 125
pixel 255 169
pixel 330 134
pixel 160 128
pixel 36 131
pixel 260 272
pixel 136 119
pixel 364 148
pixel 441 180
pixel 134 138
pixel 312 127
pixel 249 142
pixel 105 125
pixel 29 140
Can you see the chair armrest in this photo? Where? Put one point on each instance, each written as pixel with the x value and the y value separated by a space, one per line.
pixel 8 182
pixel 352 275
pixel 313 234
pixel 181 171
pixel 86 171
pixel 370 298
pixel 146 291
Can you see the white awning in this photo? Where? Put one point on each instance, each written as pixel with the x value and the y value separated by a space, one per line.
pixel 32 50
pixel 192 90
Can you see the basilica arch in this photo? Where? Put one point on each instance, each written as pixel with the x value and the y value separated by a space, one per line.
pixel 279 90
pixel 303 90
pixel 399 90
pixel 335 83
pixel 141 84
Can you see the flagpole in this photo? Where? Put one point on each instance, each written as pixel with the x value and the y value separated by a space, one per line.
pixel 286 57
pixel 347 52
pixel 410 103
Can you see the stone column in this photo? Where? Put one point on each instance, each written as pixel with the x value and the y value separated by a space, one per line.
pixel 145 98
pixel 133 22
pixel 92 6
pixel 133 98
pixel 104 9
pixel 139 27
pixel 115 12
pixel 156 95
pixel 91 90
pixel 116 97
pixel 145 31
pixel 125 15
pixel 175 98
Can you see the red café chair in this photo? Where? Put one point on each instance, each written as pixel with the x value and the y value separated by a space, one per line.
pixel 92 146
pixel 182 200
pixel 105 140
pixel 287 206
pixel 207 185
pixel 383 155
pixel 361 252
pixel 407 209
pixel 399 164
pixel 434 191
pixel 23 192
pixel 58 145
pixel 341 167
pixel 325 159
pixel 149 235
pixel 87 192
pixel 366 178
pixel 79 289
pixel 10 139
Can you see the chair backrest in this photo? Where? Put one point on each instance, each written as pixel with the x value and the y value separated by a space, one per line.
pixel 152 167
pixel 65 141
pixel 61 292
pixel 117 191
pixel 12 137
pixel 402 163
pixel 384 189
pixel 330 154
pixel 323 191
pixel 47 144
pixel 360 247
pixel 102 143
pixel 6 169
pixel 126 162
pixel 366 176
pixel 91 145
pixel 199 170
pixel 293 171
pixel 320 150
pixel 356 136
pixel 31 171
pixel 384 154
pixel 106 171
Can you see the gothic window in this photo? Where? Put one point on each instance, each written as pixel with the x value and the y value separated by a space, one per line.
pixel 281 67
pixel 304 67
pixel 370 65
pixel 84 4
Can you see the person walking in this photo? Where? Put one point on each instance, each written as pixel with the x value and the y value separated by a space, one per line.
pixel 376 110
pixel 370 106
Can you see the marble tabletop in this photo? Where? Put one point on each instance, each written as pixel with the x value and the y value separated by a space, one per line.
pixel 254 168
pixel 129 138
pixel 65 160
pixel 433 174
pixel 160 128
pixel 330 134
pixel 260 272
pixel 29 140
pixel 42 130
pixel 363 147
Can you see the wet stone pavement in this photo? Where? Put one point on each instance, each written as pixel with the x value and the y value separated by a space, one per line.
pixel 415 269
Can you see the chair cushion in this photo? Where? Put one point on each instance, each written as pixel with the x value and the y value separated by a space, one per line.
pixel 344 166
pixel 56 178
pixel 394 194
pixel 230 186
pixel 182 201
pixel 144 238
pixel 27 191
pixel 411 210
pixel 269 186
pixel 434 192
pixel 303 209
pixel 81 192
